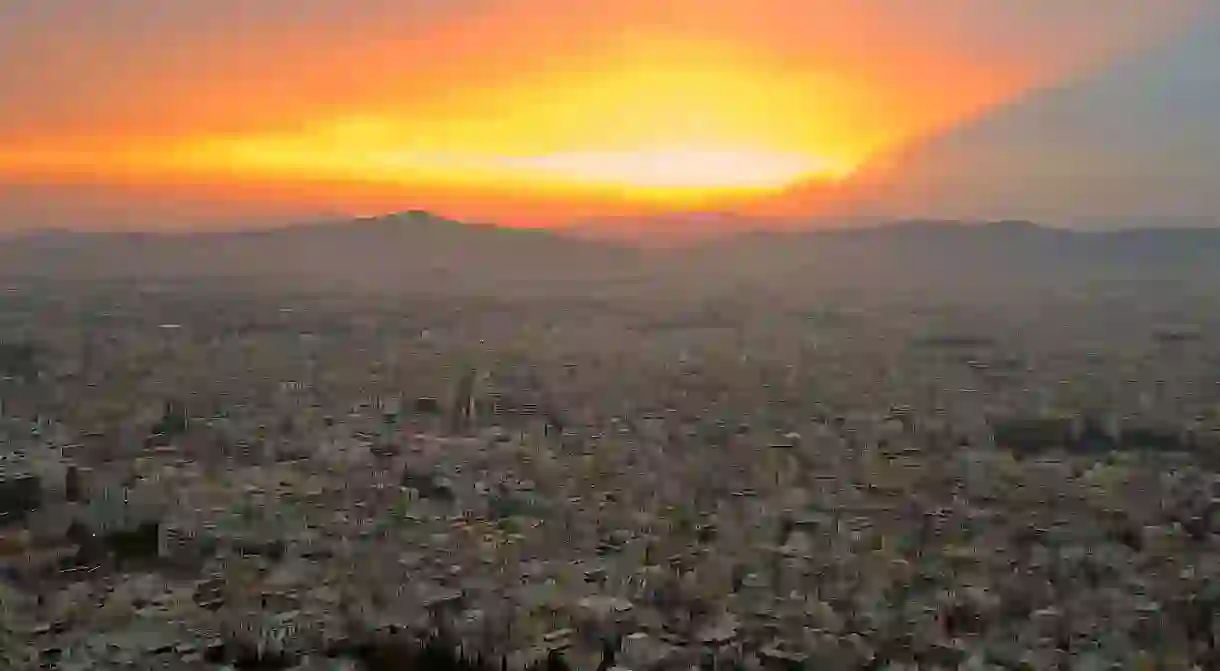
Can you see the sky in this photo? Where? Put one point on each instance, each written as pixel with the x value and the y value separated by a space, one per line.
pixel 198 113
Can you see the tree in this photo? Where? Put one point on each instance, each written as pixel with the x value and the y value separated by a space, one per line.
pixel 19 360
pixel 173 419
pixel 72 484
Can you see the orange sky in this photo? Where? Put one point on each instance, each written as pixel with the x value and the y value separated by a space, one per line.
pixel 510 109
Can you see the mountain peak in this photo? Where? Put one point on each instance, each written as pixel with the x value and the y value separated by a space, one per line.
pixel 405 216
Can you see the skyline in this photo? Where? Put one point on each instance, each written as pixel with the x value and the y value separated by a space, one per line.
pixel 511 110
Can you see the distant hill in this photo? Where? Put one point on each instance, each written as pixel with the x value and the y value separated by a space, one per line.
pixel 421 252
pixel 674 229
pixel 951 254
pixel 414 251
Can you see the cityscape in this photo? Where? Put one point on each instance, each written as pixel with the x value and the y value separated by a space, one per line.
pixel 575 335
pixel 199 474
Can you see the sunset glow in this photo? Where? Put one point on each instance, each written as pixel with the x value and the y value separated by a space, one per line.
pixel 385 152
pixel 668 119
pixel 502 103
pixel 679 170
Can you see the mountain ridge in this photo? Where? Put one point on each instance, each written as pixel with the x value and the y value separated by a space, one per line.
pixel 423 252
pixel 396 250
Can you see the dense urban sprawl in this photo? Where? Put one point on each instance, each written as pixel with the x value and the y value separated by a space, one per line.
pixel 199 476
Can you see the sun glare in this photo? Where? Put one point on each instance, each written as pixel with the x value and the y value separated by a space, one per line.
pixel 361 154
pixel 661 120
pixel 674 168
pixel 654 117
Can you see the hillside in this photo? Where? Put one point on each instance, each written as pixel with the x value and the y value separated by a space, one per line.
pixel 959 256
pixel 409 251
pixel 421 253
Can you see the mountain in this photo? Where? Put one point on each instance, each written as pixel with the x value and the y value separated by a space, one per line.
pixel 1137 142
pixel 673 229
pixel 947 255
pixel 411 251
pixel 421 253
pixel 682 229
